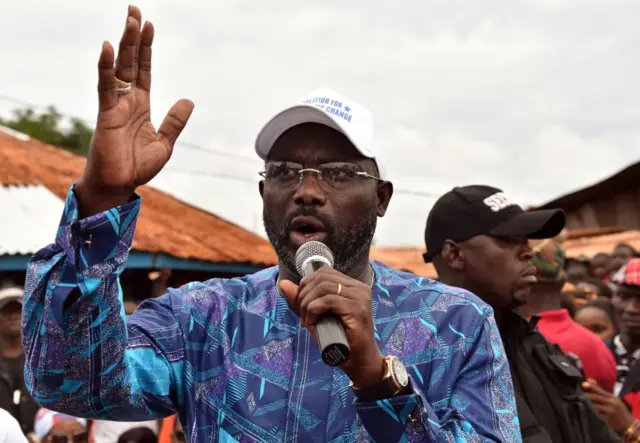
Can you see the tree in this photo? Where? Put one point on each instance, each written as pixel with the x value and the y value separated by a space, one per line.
pixel 46 128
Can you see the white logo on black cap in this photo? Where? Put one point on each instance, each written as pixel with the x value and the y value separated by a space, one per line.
pixel 498 202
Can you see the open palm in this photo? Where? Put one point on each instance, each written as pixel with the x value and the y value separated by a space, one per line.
pixel 126 150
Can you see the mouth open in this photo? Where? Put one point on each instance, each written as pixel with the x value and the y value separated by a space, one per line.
pixel 304 229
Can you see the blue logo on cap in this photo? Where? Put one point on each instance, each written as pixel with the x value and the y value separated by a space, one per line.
pixel 330 106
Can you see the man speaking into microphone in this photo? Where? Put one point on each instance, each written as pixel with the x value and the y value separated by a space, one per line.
pixel 237 358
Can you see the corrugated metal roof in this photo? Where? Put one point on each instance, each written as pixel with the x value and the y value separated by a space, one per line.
pixel 29 217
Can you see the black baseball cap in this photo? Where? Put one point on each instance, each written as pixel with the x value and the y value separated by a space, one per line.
pixel 468 211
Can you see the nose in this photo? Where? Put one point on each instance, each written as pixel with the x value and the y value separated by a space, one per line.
pixel 309 192
pixel 526 252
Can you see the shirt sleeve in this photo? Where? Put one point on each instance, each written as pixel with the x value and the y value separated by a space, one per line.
pixel 82 356
pixel 482 409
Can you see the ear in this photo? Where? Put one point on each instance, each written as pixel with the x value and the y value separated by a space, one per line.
pixel 261 188
pixel 385 191
pixel 453 255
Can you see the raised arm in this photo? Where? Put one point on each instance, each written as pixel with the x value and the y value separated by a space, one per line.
pixel 82 356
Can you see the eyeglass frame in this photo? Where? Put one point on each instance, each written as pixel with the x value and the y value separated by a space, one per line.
pixel 302 170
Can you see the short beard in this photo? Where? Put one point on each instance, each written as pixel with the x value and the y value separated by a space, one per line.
pixel 350 247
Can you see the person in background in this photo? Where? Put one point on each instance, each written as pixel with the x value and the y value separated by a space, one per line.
pixel 160 281
pixel 595 288
pixel 10 431
pixel 571 298
pixel 581 293
pixel 622 412
pixel 622 253
pixel 626 301
pixel 138 435
pixel 14 396
pixel 555 323
pixel 53 427
pixel 103 431
pixel 599 317
pixel 577 269
pixel 601 266
pixel 491 256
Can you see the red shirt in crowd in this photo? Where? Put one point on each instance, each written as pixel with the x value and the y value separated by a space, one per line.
pixel 597 361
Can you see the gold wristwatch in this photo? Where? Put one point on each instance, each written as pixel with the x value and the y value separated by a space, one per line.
pixel 394 382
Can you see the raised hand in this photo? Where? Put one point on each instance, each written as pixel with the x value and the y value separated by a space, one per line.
pixel 126 150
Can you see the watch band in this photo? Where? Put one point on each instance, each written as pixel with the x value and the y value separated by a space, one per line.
pixel 385 388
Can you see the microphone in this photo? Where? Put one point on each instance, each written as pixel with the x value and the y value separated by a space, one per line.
pixel 332 339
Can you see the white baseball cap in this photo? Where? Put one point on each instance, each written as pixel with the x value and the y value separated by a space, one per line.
pixel 12 294
pixel 329 108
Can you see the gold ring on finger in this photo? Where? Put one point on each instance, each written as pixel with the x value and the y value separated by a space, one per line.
pixel 122 87
pixel 339 289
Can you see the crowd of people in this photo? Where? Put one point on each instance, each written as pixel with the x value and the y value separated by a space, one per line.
pixel 590 309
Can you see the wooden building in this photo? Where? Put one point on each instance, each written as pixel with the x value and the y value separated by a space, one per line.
pixel 612 202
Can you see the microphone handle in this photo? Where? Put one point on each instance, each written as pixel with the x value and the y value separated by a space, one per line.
pixel 332 339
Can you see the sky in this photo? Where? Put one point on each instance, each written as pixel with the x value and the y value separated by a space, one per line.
pixel 536 97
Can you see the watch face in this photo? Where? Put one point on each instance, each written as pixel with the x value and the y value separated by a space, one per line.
pixel 400 372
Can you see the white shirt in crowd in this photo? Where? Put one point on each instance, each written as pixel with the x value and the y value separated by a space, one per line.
pixel 109 431
pixel 10 431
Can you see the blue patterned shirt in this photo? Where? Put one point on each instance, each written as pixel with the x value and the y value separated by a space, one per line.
pixel 231 358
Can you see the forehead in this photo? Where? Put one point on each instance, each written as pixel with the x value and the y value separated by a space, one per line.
pixel 593 313
pixel 67 426
pixel 313 144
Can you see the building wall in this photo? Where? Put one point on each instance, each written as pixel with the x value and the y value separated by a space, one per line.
pixel 622 209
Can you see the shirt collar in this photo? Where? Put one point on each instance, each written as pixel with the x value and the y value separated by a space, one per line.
pixel 557 315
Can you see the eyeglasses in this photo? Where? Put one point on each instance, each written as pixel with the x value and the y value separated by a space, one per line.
pixel 337 175
pixel 180 436
pixel 76 438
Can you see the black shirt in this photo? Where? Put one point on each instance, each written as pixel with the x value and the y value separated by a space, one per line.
pixel 13 393
pixel 552 407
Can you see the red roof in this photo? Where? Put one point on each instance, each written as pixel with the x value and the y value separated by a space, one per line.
pixel 166 225
pixel 590 246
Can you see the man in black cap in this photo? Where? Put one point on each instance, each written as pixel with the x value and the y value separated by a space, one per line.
pixel 478 239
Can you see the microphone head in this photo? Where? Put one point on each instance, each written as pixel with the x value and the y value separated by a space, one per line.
pixel 312 249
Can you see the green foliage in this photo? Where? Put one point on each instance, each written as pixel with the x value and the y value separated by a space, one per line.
pixel 46 127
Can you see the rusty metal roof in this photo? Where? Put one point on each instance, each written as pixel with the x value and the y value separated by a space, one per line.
pixel 590 246
pixel 166 225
